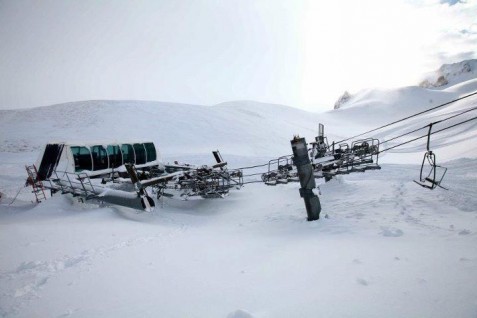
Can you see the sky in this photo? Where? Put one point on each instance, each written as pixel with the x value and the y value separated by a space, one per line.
pixel 301 53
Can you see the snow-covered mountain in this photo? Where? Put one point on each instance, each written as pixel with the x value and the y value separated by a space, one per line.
pixel 387 248
pixel 447 75
pixel 234 127
pixel 342 100
pixel 451 74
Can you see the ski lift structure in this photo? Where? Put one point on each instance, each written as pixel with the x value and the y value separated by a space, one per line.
pixel 132 174
pixel 321 160
pixel 326 160
pixel 126 174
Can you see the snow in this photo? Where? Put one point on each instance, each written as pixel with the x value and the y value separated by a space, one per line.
pixel 384 246
pixel 451 74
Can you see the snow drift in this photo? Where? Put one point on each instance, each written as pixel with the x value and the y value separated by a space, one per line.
pixel 387 247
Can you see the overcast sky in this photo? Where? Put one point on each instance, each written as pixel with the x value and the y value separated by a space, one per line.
pixel 302 53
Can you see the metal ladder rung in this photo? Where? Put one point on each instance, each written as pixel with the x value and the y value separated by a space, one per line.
pixel 37 185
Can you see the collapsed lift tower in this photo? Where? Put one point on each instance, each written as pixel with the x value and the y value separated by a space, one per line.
pixel 321 160
pixel 307 180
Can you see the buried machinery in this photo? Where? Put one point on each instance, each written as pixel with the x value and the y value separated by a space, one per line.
pixel 125 174
pixel 321 160
pixel 133 174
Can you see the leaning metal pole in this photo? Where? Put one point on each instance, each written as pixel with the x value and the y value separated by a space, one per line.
pixel 307 180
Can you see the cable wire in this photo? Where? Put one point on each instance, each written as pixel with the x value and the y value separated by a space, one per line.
pixel 411 116
pixel 251 167
pixel 258 181
pixel 387 125
pixel 432 133
pixel 14 199
pixel 253 174
pixel 437 122
pixel 262 165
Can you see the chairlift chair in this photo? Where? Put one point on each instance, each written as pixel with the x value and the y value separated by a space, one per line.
pixel 429 177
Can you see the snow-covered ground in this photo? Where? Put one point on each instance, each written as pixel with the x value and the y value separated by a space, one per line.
pixel 386 248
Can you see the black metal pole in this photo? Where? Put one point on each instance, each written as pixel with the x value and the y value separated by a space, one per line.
pixel 307 180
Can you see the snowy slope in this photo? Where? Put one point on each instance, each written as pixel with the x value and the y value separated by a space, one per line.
pixel 175 128
pixel 387 248
pixel 451 74
pixel 236 128
pixel 373 108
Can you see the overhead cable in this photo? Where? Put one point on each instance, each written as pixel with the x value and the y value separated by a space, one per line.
pixel 432 133
pixel 411 116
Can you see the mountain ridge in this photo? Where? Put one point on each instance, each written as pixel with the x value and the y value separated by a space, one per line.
pixel 233 127
pixel 446 76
